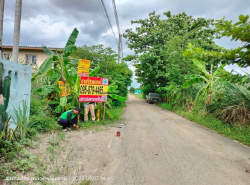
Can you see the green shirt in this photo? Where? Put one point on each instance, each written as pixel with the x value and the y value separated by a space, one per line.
pixel 65 114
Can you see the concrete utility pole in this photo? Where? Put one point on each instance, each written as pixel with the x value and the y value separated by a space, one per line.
pixel 1 24
pixel 17 26
pixel 119 48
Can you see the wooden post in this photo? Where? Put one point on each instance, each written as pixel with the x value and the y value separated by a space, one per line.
pixel 79 114
pixel 98 113
pixel 104 113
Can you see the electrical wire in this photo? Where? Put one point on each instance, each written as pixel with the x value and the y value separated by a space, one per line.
pixel 116 16
pixel 118 26
pixel 104 10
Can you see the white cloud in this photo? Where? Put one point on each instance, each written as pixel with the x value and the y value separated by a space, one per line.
pixel 50 22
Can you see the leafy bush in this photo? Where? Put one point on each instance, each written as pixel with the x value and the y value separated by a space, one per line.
pixel 40 120
pixel 43 123
pixel 232 105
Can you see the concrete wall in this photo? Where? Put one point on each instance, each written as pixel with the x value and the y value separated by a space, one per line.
pixel 20 83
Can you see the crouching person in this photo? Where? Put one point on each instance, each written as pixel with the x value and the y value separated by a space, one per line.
pixel 69 118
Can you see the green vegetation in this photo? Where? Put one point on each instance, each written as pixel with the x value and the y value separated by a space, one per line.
pixel 132 90
pixel 139 96
pixel 177 56
pixel 47 104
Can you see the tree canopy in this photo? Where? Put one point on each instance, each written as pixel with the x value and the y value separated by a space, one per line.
pixel 159 45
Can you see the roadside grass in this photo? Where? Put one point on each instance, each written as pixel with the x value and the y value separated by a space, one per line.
pixel 115 111
pixel 139 96
pixel 15 157
pixel 234 132
pixel 166 106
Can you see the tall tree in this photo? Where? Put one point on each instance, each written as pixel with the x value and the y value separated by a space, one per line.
pixel 106 58
pixel 1 24
pixel 225 28
pixel 160 43
pixel 17 26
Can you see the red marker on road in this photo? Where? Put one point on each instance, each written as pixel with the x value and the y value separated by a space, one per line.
pixel 118 134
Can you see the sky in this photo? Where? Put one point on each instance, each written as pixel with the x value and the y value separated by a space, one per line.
pixel 50 22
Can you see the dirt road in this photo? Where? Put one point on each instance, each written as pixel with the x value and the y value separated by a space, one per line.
pixel 156 147
pixel 160 147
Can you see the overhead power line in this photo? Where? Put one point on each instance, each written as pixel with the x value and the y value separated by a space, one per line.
pixel 104 10
pixel 119 31
pixel 116 17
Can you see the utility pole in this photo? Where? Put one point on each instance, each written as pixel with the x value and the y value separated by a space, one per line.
pixel 119 48
pixel 1 24
pixel 17 26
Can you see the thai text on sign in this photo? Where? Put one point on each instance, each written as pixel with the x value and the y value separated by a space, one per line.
pixel 93 89
pixel 62 87
pixel 83 67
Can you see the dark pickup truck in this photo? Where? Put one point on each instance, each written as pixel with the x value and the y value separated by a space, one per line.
pixel 153 98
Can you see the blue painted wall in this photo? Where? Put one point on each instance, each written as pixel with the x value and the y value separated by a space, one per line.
pixel 20 83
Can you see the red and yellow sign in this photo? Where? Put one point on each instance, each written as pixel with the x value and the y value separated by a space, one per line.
pixel 62 87
pixel 93 89
pixel 83 67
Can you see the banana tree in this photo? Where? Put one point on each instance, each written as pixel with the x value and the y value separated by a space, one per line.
pixel 210 80
pixel 173 93
pixel 58 67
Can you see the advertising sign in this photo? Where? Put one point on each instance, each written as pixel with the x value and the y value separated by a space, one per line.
pixel 93 89
pixel 62 87
pixel 83 67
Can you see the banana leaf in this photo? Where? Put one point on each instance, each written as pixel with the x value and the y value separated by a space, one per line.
pixel 48 51
pixel 201 67
pixel 74 61
pixel 67 107
pixel 109 113
pixel 219 70
pixel 63 101
pixel 53 102
pixel 44 68
pixel 68 50
pixel 94 71
pixel 117 97
pixel 46 89
pixel 112 88
pixel 72 38
pixel 194 81
pixel 58 109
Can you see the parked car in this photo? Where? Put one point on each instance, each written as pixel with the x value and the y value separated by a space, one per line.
pixel 153 98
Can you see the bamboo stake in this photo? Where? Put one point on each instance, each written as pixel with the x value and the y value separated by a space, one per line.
pixel 104 112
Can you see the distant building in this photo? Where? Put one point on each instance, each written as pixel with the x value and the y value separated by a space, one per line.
pixel 28 54
pixel 138 91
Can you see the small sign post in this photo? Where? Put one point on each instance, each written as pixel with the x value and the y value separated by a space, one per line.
pixel 83 67
pixel 93 89
pixel 104 112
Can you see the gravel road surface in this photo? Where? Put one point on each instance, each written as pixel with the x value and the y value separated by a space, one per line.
pixel 158 147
